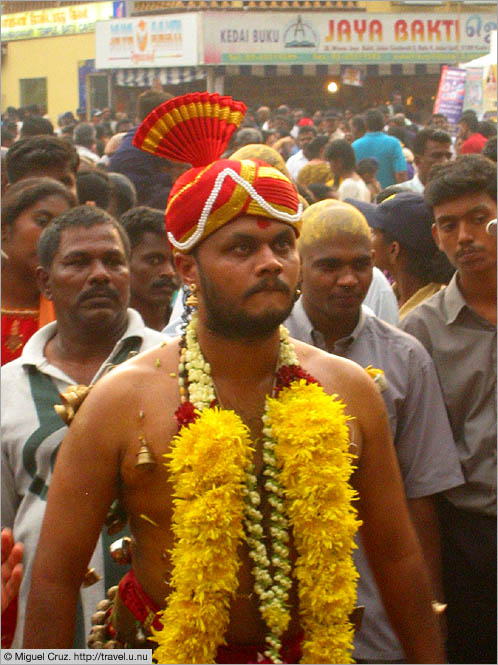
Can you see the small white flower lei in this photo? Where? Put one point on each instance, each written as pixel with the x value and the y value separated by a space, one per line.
pixel 272 591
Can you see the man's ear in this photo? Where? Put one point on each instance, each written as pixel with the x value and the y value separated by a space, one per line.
pixel 186 267
pixel 394 251
pixel 42 279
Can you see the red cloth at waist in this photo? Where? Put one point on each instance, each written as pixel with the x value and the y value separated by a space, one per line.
pixel 144 609
pixel 138 602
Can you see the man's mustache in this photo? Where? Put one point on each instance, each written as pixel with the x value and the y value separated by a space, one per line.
pixel 98 292
pixel 268 285
pixel 163 282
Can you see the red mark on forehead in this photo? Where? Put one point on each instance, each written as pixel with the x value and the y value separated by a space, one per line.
pixel 263 223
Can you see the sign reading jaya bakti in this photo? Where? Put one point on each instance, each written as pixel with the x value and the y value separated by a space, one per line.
pixel 341 37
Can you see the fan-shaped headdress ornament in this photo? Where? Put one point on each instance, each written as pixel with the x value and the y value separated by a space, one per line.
pixel 196 128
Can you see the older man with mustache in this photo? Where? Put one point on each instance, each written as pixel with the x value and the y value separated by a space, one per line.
pixel 84 271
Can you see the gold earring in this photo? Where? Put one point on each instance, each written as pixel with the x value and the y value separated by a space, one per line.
pixel 297 294
pixel 192 300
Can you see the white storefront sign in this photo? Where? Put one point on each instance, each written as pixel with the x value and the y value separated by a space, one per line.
pixel 341 37
pixel 151 41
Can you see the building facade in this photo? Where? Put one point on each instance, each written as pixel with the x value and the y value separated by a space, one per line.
pixel 263 51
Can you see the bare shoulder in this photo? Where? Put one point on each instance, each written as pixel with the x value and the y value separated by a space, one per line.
pixel 337 375
pixel 137 380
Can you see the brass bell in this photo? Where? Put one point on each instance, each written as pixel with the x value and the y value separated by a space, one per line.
pixel 145 459
pixel 91 577
pixel 111 592
pixel 98 618
pixel 104 604
pixel 98 634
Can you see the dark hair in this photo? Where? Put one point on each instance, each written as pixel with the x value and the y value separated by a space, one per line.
pixel 489 149
pixel 374 120
pixel 94 186
pixel 148 101
pixel 320 190
pixel 29 191
pixel 341 149
pixel 307 129
pixel 398 132
pixel 358 123
pixel 85 134
pixel 122 121
pixel 367 165
pixel 123 192
pixel 429 134
pixel 428 267
pixel 312 149
pixel 38 152
pixel 245 136
pixel 140 220
pixel 469 118
pixel 9 132
pixel 466 175
pixel 34 125
pixel 389 191
pixel 81 216
pixel 487 128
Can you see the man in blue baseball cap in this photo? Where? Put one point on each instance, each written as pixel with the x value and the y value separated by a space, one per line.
pixel 404 246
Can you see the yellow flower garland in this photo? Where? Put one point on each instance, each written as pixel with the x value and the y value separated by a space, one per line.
pixel 210 464
pixel 315 471
pixel 209 460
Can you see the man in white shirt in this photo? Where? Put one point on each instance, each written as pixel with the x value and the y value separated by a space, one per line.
pixel 296 162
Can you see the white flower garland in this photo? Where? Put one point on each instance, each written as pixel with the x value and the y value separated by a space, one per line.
pixel 272 590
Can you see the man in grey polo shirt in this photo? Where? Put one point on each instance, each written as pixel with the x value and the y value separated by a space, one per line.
pixel 85 259
pixel 336 255
pixel 457 326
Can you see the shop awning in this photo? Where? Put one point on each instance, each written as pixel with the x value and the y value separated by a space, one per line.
pixel 391 69
pixel 146 77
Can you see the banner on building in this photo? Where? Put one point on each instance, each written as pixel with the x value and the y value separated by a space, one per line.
pixel 451 93
pixel 342 37
pixel 473 98
pixel 72 20
pixel 150 41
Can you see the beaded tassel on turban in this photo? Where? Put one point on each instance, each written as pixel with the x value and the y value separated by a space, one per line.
pixel 196 128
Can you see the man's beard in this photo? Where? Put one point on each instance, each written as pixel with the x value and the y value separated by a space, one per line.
pixel 223 320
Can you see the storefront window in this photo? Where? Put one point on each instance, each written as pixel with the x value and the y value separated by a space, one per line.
pixel 33 91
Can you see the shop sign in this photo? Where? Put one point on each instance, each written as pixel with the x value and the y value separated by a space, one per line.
pixel 341 37
pixel 72 20
pixel 151 41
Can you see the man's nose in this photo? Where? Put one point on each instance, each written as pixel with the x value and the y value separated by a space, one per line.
pixel 268 261
pixel 347 277
pixel 465 233
pixel 99 272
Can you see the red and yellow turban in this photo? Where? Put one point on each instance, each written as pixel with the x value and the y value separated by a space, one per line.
pixel 196 129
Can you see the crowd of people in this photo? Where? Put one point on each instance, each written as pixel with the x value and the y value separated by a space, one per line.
pixel 372 241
